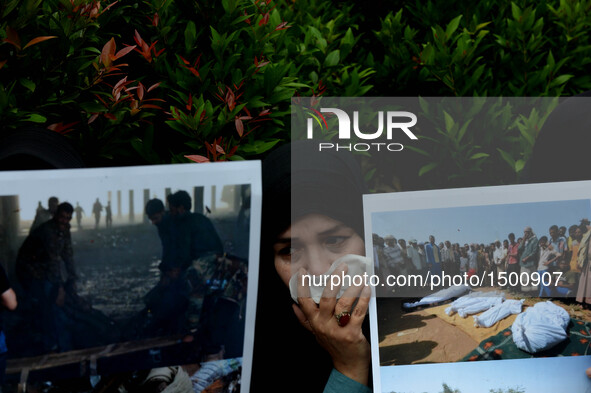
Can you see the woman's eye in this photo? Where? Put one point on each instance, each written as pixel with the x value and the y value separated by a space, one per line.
pixel 289 253
pixel 335 240
pixel 285 251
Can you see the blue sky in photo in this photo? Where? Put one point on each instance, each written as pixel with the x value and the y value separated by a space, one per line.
pixel 479 224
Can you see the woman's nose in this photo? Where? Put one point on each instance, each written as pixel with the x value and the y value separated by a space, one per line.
pixel 318 261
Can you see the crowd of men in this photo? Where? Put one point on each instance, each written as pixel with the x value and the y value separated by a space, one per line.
pixel 192 255
pixel 522 265
pixel 43 214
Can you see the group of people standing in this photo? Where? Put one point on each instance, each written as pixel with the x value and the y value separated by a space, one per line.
pixel 399 257
pixel 42 214
pixel 556 265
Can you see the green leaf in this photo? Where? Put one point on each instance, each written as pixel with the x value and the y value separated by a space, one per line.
pixel 317 119
pixel 313 77
pixel 36 118
pixel 463 130
pixel 190 35
pixel 333 58
pixel 515 11
pixel 93 50
pixel 507 157
pixel 93 107
pixel 427 168
pixel 560 80
pixel 28 84
pixel 452 26
pixel 479 155
pixel 449 122
pixel 9 7
pixel 315 32
pixel 241 18
pixel 216 39
pixel 294 84
pixel 229 5
pixel 258 147
pixel 368 176
pixel 519 165
pixel 424 105
pixel 482 25
pixel 348 38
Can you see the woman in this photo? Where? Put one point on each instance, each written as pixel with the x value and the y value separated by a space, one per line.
pixel 312 215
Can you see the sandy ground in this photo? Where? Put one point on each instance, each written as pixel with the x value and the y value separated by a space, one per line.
pixel 418 337
pixel 422 337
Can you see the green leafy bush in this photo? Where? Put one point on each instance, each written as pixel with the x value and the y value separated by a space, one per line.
pixel 165 80
pixel 157 81
pixel 490 48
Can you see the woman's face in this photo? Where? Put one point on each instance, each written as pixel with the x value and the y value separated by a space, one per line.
pixel 314 242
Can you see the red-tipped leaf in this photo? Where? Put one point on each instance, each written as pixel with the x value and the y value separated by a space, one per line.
pixel 37 40
pixel 155 85
pixel 151 106
pixel 239 126
pixel 123 52
pixel 12 38
pixel 197 158
pixel 140 91
pixel 107 52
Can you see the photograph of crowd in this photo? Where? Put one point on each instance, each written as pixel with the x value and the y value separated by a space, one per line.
pixel 499 281
pixel 116 270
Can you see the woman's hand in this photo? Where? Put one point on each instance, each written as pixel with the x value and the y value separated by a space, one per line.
pixel 346 344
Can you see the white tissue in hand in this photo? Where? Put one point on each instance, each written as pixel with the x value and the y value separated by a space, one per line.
pixel 357 266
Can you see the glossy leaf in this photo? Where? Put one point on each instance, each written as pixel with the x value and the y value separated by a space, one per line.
pixel 427 168
pixel 197 158
pixel 38 40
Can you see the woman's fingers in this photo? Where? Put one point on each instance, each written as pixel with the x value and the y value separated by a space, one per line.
pixel 305 301
pixel 354 300
pixel 358 314
pixel 345 303
pixel 329 295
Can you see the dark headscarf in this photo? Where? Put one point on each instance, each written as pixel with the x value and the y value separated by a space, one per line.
pixel 297 180
pixel 300 180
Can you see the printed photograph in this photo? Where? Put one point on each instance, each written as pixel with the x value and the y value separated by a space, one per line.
pixel 480 278
pixel 127 266
pixel 512 376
